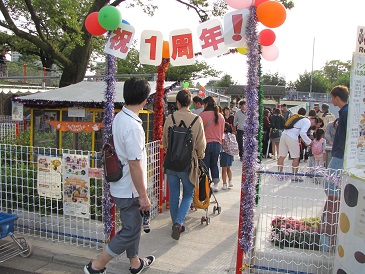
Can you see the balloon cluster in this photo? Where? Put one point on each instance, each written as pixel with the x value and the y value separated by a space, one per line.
pixel 271 14
pixel 108 18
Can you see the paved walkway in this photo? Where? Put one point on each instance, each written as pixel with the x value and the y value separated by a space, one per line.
pixel 201 249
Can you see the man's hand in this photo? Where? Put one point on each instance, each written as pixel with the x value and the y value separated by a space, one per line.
pixel 144 203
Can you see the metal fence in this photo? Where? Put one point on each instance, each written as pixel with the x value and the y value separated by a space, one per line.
pixel 57 194
pixel 296 224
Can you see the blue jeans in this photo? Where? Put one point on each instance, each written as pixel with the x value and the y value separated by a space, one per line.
pixel 178 213
pixel 212 152
pixel 333 166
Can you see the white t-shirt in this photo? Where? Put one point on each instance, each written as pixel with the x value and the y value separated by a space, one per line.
pixel 129 141
pixel 300 128
pixel 197 111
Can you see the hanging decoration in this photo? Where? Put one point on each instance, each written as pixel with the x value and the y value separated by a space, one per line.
pixel 158 107
pixel 109 79
pixel 250 132
pixel 271 14
pixel 270 53
pixel 92 24
pixel 267 37
pixel 109 17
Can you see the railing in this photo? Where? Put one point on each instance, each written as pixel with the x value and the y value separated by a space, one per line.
pixel 57 194
pixel 293 231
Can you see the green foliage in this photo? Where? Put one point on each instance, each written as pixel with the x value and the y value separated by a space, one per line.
pixel 225 81
pixel 23 138
pixel 319 82
pixel 273 79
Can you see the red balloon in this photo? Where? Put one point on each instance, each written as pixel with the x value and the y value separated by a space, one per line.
pixel 267 37
pixel 258 2
pixel 92 24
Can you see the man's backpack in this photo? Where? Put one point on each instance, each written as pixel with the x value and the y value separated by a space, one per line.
pixel 230 145
pixel 292 120
pixel 317 147
pixel 180 146
pixel 112 167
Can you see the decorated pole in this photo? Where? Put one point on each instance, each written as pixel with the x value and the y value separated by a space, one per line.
pixel 108 208
pixel 250 154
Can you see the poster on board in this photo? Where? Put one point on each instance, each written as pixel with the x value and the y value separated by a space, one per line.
pixel 49 171
pixel 76 185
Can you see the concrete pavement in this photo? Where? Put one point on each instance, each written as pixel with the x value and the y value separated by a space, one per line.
pixel 201 249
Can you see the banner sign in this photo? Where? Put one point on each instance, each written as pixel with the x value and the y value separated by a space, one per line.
pixel 120 41
pixel 76 126
pixel 360 43
pixel 355 138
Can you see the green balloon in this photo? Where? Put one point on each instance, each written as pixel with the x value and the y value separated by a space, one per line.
pixel 109 17
pixel 186 84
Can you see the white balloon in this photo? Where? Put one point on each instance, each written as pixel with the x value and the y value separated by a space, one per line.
pixel 239 4
pixel 270 53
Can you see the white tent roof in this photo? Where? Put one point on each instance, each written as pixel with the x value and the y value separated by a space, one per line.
pixel 84 92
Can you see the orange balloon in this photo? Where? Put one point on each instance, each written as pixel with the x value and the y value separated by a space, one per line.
pixel 202 88
pixel 165 50
pixel 271 14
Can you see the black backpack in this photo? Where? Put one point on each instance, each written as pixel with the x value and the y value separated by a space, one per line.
pixel 292 120
pixel 112 167
pixel 180 146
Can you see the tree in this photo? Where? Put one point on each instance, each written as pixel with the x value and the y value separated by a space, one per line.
pixel 226 81
pixel 273 79
pixel 319 82
pixel 336 70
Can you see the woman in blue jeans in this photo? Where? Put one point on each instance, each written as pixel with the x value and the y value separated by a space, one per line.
pixel 189 177
pixel 213 128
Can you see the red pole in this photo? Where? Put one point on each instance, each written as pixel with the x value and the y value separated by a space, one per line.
pixel 240 254
pixel 17 129
pixel 25 72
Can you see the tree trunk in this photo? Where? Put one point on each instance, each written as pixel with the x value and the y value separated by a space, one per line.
pixel 74 71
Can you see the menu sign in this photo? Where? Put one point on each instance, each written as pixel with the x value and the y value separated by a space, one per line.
pixel 355 143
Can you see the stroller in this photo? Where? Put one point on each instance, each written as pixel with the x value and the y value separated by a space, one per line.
pixel 203 193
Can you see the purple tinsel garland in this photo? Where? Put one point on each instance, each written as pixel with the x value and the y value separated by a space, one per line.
pixel 107 123
pixel 250 155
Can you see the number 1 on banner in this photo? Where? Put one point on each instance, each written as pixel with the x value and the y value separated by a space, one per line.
pixel 151 48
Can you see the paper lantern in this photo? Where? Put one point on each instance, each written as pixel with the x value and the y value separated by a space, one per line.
pixel 92 24
pixel 267 37
pixel 239 4
pixel 271 14
pixel 259 2
pixel 109 17
pixel 270 53
pixel 242 50
pixel 165 50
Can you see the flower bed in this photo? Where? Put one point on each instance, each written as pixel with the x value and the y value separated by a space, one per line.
pixel 290 232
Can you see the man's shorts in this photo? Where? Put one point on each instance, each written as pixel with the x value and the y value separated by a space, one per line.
pixel 290 145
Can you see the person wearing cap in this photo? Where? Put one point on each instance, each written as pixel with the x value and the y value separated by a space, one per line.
pixel 316 108
pixel 327 116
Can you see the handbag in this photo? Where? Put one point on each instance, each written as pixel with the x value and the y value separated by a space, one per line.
pixel 275 133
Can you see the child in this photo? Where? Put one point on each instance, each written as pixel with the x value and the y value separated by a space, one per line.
pixel 319 148
pixel 226 160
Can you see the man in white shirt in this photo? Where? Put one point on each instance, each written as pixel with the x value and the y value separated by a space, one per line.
pixel 198 105
pixel 289 142
pixel 130 192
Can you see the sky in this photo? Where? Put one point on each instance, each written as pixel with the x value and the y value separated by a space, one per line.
pixel 329 25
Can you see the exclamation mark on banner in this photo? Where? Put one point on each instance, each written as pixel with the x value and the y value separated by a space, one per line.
pixel 237 20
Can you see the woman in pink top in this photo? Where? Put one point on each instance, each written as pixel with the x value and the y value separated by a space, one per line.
pixel 214 128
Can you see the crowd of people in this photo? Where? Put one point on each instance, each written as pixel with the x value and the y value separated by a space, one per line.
pixel 210 129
